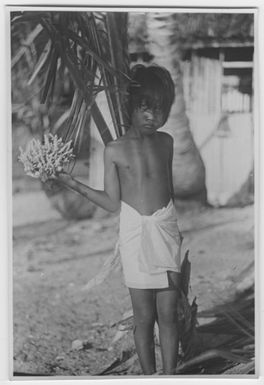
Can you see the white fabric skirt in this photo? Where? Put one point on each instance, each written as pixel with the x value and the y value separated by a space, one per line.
pixel 149 245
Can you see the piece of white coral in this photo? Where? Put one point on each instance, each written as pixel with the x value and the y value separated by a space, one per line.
pixel 45 160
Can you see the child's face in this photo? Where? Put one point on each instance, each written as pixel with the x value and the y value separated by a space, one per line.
pixel 147 120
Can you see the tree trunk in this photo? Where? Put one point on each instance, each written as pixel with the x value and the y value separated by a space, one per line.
pixel 245 196
pixel 188 166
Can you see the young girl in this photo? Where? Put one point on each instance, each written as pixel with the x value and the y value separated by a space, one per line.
pixel 138 178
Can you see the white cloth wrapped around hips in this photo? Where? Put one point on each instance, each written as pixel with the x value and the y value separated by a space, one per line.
pixel 45 160
pixel 149 245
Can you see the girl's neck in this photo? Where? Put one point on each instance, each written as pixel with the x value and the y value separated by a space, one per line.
pixel 134 132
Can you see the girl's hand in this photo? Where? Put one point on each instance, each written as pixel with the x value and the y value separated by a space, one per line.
pixel 56 181
pixel 64 178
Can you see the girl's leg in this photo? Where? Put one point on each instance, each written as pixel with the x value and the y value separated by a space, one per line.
pixel 167 300
pixel 144 309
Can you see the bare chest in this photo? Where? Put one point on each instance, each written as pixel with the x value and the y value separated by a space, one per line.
pixel 143 161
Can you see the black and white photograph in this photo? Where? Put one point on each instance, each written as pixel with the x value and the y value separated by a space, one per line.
pixel 133 201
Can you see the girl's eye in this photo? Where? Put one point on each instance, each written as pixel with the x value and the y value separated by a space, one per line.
pixel 155 109
pixel 144 107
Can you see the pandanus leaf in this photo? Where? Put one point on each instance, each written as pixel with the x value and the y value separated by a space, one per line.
pixel 41 62
pixel 74 113
pixel 92 47
pixel 82 120
pixel 74 37
pixel 61 120
pixel 101 124
pixel 51 76
pixel 105 78
pixel 118 41
pixel 31 37
pixel 185 274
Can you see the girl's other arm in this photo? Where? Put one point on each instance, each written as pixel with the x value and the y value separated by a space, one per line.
pixel 109 198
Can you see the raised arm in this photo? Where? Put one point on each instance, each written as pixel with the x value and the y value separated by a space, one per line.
pixel 109 198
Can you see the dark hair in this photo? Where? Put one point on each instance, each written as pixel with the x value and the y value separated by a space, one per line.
pixel 153 87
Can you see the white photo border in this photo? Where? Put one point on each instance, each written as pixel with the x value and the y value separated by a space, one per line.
pixel 6 186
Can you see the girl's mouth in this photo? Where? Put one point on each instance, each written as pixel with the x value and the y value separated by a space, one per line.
pixel 148 125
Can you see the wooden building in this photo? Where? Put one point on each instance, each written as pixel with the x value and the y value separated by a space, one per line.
pixel 219 102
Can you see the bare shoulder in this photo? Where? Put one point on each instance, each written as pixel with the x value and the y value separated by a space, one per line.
pixel 165 138
pixel 113 148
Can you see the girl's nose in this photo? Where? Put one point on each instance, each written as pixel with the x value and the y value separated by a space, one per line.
pixel 149 114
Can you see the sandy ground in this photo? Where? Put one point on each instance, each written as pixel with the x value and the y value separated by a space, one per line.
pixel 53 259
